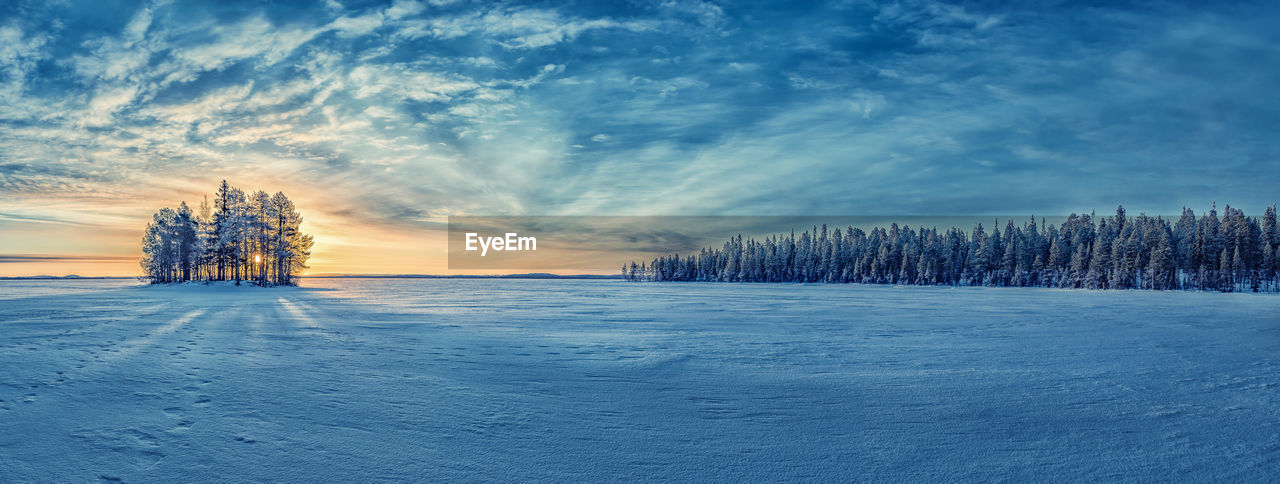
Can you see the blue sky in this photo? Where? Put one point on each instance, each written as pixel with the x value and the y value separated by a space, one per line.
pixel 384 118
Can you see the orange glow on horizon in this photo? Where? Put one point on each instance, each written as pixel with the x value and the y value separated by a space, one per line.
pixel 83 235
pixel 59 237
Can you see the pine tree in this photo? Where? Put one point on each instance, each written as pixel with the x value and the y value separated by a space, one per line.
pixel 1185 247
pixel 1120 252
pixel 221 228
pixel 185 226
pixel 206 240
pixel 1161 270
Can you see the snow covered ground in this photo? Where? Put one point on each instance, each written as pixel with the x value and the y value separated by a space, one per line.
pixel 370 379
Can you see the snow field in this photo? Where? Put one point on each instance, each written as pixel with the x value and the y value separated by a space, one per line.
pixel 436 379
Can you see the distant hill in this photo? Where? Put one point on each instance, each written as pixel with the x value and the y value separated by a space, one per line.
pixel 532 275
pixel 71 276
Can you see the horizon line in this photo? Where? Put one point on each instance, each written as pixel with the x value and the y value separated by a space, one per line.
pixel 339 275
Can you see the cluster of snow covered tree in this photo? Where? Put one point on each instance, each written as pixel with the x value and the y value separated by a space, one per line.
pixel 1231 253
pixel 241 237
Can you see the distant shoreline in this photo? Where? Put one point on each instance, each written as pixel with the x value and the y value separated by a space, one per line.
pixel 353 276
pixel 466 276
pixel 60 278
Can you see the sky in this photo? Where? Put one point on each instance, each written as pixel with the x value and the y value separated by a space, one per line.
pixel 380 120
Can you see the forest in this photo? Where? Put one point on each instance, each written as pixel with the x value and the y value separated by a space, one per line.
pixel 240 237
pixel 1231 253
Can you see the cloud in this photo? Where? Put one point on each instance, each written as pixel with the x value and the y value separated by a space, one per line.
pixel 357 26
pixel 19 53
pixel 404 8
pixel 251 38
pixel 405 82
pixel 380 115
pixel 206 107
pixel 519 28
pixel 115 58
pixel 705 13
pixel 106 102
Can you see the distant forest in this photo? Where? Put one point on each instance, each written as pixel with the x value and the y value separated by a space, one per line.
pixel 240 237
pixel 1230 254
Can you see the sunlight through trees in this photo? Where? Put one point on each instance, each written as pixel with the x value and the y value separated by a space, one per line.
pixel 254 237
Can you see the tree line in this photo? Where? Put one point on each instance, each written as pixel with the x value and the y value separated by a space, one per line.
pixel 241 237
pixel 1230 253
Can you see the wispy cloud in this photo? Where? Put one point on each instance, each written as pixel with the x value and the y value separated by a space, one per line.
pixel 518 28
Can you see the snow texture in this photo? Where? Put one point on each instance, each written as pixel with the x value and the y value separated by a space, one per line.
pixel 358 380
